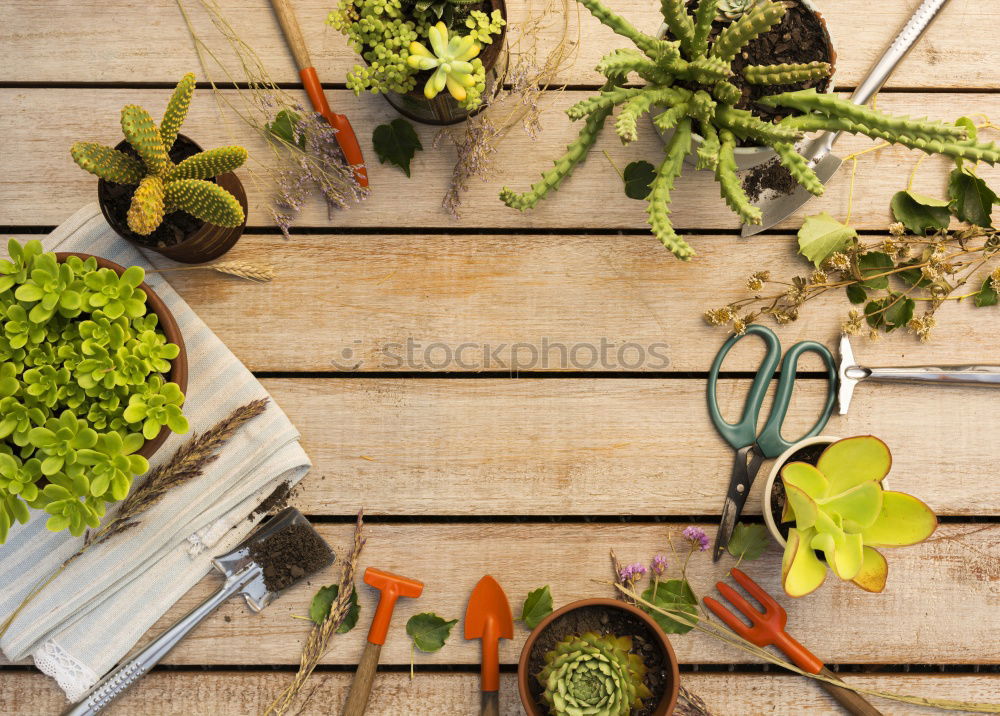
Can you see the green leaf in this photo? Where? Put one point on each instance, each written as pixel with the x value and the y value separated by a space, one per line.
pixel 971 200
pixel 396 143
pixel 919 212
pixel 748 541
pixel 986 296
pixel 889 313
pixel 323 601
pixel 429 631
pixel 856 293
pixel 537 606
pixel 872 264
pixel 821 236
pixel 675 595
pixel 638 176
pixel 914 276
pixel 283 127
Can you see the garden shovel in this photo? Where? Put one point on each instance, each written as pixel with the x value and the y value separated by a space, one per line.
pixel 242 575
pixel 777 207
pixel 488 618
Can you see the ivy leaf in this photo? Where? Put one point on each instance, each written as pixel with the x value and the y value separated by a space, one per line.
pixel 747 541
pixel 821 236
pixel 537 606
pixel 890 313
pixel 856 293
pixel 283 127
pixel 987 295
pixel 913 277
pixel 919 212
pixel 322 602
pixel 872 264
pixel 638 176
pixel 971 200
pixel 396 143
pixel 675 595
pixel 429 631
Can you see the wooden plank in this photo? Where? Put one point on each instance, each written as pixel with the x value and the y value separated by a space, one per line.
pixel 35 163
pixel 839 623
pixel 157 47
pixel 597 447
pixel 246 692
pixel 461 303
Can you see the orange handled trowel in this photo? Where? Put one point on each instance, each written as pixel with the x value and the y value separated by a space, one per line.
pixel 346 138
pixel 488 618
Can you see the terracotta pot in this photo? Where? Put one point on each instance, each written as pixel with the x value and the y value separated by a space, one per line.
pixel 207 243
pixel 443 109
pixel 178 366
pixel 667 701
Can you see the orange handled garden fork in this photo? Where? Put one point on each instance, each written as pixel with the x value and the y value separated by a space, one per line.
pixel 346 137
pixel 768 629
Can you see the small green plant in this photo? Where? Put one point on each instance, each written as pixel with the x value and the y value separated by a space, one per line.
pixel 450 61
pixel 840 509
pixel 735 9
pixel 593 674
pixel 687 88
pixel 485 27
pixel 81 387
pixel 163 186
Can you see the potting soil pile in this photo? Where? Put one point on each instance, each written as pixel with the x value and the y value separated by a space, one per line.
pixel 92 614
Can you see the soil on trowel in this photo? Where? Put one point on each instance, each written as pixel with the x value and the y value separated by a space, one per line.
pixel 770 175
pixel 603 620
pixel 273 503
pixel 289 555
pixel 176 226
pixel 809 454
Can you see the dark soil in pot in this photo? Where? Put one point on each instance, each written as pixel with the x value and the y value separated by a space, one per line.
pixel 288 555
pixel 604 620
pixel 809 454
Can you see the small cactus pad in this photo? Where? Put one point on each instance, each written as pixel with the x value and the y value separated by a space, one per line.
pixel 146 211
pixel 208 164
pixel 176 110
pixel 142 134
pixel 107 163
pixel 205 200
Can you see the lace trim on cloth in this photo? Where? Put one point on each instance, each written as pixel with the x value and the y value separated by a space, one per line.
pixel 73 677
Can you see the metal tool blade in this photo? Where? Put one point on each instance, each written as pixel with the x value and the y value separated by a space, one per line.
pixel 238 564
pixel 745 468
pixel 846 382
pixel 778 207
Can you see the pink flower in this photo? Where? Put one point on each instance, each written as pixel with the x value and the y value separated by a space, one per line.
pixel 696 535
pixel 659 565
pixel 631 573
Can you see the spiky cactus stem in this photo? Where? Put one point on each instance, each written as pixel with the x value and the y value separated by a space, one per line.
pixel 708 152
pixel 753 24
pixel 177 107
pixel 107 163
pixel 704 14
pixel 681 25
pixel 668 119
pixel 205 200
pixel 658 210
pixel 799 168
pixel 607 99
pixel 639 105
pixel 208 164
pixel 649 45
pixel 729 183
pixel 144 136
pixel 146 211
pixel 786 74
pixel 746 126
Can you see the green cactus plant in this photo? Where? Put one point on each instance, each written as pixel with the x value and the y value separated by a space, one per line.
pixel 163 186
pixel 593 674
pixel 840 509
pixel 688 90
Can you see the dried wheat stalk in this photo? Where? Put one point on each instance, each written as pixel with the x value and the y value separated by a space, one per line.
pixel 258 273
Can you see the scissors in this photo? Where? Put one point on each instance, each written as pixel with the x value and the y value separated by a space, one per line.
pixel 752 447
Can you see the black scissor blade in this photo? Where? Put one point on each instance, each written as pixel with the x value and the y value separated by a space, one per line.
pixel 745 469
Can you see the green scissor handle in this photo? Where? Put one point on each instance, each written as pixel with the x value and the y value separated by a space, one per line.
pixel 744 433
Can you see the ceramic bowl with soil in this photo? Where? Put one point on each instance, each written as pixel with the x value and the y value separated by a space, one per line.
pixel 180 236
pixel 602 616
pixel 802 36
pixel 444 109
pixel 178 366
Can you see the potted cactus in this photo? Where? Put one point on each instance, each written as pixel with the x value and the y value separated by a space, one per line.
pixel 158 189
pixel 430 59
pixel 826 501
pixel 92 374
pixel 688 90
pixel 598 656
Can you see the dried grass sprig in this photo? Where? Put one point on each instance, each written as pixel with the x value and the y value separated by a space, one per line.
pixel 318 642
pixel 258 273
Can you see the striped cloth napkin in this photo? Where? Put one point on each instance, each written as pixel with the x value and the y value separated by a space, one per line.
pixel 85 621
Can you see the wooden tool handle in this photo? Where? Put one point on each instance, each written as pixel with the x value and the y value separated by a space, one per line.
pixel 361 687
pixel 490 704
pixel 293 35
pixel 854 703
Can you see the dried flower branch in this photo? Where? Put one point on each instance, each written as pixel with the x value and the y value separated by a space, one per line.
pixel 258 273
pixel 318 642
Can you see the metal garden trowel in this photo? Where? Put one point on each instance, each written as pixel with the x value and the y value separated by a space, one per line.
pixel 243 575
pixel 777 207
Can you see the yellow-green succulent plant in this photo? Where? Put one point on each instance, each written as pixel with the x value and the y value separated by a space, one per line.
pixel 841 510
pixel 162 185
pixel 451 59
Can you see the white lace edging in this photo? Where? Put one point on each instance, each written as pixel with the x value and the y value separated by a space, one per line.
pixel 73 677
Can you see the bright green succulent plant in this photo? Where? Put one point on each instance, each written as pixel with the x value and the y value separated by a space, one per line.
pixel 69 373
pixel 450 60
pixel 163 186
pixel 687 89
pixel 841 511
pixel 593 674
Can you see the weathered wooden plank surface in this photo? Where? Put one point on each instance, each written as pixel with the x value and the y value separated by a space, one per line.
pixel 157 47
pixel 224 693
pixel 935 608
pixel 39 184
pixel 165 693
pixel 598 447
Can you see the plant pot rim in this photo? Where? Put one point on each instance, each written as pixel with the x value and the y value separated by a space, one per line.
pixel 668 700
pixel 168 324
